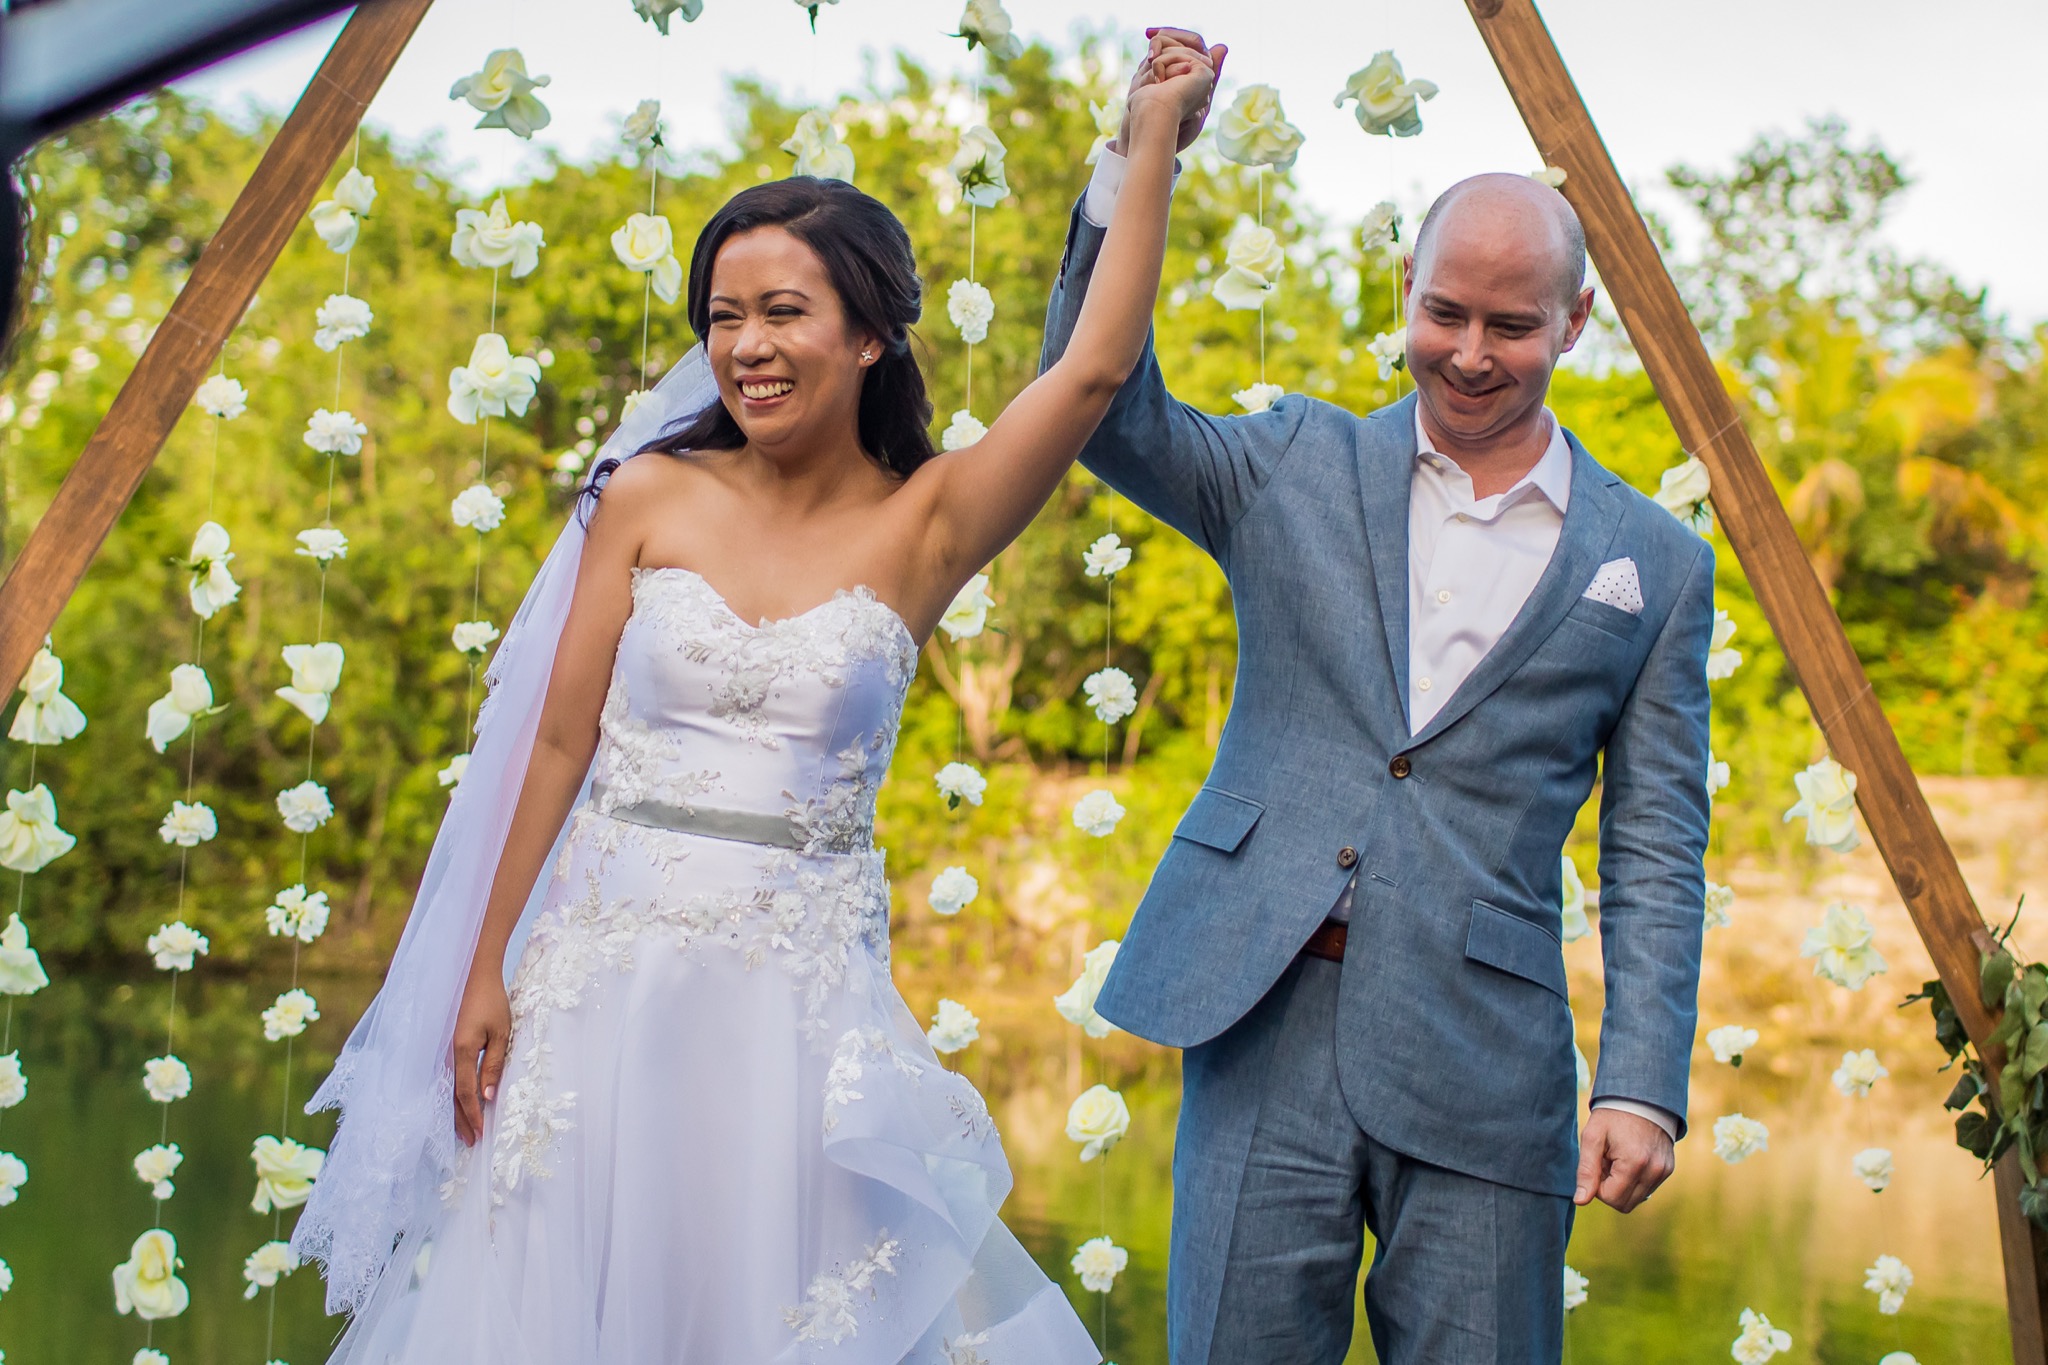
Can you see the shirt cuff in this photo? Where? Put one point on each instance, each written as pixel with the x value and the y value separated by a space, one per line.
pixel 1668 1122
pixel 1103 187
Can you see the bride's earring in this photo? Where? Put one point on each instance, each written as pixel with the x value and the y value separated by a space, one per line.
pixel 866 357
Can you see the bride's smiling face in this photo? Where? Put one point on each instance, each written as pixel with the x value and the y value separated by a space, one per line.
pixel 789 362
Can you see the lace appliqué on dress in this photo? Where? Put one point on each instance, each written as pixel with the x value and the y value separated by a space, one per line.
pixel 829 1311
pixel 848 1066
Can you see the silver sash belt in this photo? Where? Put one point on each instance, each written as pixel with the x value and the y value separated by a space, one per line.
pixel 740 826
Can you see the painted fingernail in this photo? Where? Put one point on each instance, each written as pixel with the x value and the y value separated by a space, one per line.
pixel 490 1092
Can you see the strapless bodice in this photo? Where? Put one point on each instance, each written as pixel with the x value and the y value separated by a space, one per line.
pixel 789 721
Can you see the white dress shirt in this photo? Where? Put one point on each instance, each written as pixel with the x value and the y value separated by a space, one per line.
pixel 1472 563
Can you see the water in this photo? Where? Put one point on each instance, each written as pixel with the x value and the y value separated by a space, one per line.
pixel 1788 1232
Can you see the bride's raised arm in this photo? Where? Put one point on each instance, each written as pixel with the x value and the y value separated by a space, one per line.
pixel 984 495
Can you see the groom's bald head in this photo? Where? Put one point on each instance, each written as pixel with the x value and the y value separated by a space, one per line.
pixel 1511 216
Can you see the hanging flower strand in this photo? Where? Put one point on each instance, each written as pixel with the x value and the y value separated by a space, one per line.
pixel 1254 132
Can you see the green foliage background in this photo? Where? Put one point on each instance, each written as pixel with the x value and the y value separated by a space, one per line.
pixel 1904 426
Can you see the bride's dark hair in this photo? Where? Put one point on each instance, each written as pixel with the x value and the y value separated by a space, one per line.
pixel 866 253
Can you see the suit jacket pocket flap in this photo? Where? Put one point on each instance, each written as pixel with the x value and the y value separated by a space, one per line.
pixel 1515 946
pixel 1219 820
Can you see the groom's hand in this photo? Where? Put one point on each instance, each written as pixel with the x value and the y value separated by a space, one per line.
pixel 1158 42
pixel 1622 1158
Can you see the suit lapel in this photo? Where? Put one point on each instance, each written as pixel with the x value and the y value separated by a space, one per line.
pixel 1386 469
pixel 1589 525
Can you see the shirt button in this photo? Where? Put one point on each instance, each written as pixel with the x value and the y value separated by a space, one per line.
pixel 1400 767
pixel 1443 594
pixel 1423 686
pixel 1462 517
pixel 1347 857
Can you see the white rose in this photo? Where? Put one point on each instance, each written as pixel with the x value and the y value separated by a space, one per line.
pixel 1573 901
pixel 656 12
pixel 1718 775
pixel 166 1078
pixel 953 1027
pixel 1759 1341
pixel 171 714
pixel 492 240
pixel 978 166
pixel 342 318
pixel 1858 1072
pixel 289 1014
pixel 316 672
pixel 1382 228
pixel 1683 490
pixel 1258 397
pixel 451 775
pixel 304 808
pixel 1575 1287
pixel 473 637
pixel 960 782
pixel 968 614
pixel 645 244
pixel 147 1283
pixel 1552 176
pixel 963 431
pixel 297 913
pixel 1107 557
pixel 1109 121
pixel 971 308
pixel 632 401
pixel 355 192
pixel 150 1356
pixel 1737 1138
pixel 953 890
pixel 1076 1003
pixel 222 397
pixel 29 837
pixel 13 1175
pixel 1388 102
pixel 173 946
pixel 335 433
pixel 154 1167
pixel 504 93
pixel 1390 351
pixel 21 969
pixel 1251 267
pixel 1098 1261
pixel 642 125
pixel 493 381
pixel 1721 660
pixel 1827 799
pixel 322 543
pixel 46 715
pixel 13 1080
pixel 1897 1358
pixel 1254 132
pixel 285 1172
pixel 1729 1042
pixel 335 225
pixel 188 825
pixel 1097 813
pixel 817 148
pixel 988 23
pixel 1873 1166
pixel 1098 1120
pixel 266 1265
pixel 1111 694
pixel 1889 1279
pixel 1843 947
pixel 212 586
pixel 1720 901
pixel 477 508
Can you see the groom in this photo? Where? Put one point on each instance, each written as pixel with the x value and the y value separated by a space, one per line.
pixel 1451 621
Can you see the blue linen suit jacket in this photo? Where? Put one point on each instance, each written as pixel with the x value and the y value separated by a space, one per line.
pixel 1455 1036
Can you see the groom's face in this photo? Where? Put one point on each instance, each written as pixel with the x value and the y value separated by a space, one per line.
pixel 1490 310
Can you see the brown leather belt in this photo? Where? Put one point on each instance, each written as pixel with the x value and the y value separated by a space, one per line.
pixel 1327 942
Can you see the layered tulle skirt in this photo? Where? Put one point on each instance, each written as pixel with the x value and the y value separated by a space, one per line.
pixel 720 1139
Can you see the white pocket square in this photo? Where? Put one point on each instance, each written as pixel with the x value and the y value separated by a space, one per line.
pixel 1617 585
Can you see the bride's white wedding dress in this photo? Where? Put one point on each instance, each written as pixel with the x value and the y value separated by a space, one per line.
pixel 720 1137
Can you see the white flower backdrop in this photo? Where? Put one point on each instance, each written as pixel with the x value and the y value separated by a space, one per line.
pixel 490 382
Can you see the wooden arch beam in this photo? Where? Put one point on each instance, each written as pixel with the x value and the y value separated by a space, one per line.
pixel 1710 426
pixel 200 319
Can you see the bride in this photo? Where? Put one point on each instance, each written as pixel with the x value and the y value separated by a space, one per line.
pixel 701 1126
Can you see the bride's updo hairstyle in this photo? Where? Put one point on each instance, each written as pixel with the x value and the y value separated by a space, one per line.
pixel 866 254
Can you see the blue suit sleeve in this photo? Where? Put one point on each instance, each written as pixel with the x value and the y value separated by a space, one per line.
pixel 1196 472
pixel 1653 840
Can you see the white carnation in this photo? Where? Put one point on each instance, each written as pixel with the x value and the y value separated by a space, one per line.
pixel 174 946
pixel 963 431
pixel 1889 1279
pixel 1759 1341
pixel 189 824
pixel 953 890
pixel 972 308
pixel 961 782
pixel 13 1080
pixel 322 543
pixel 166 1078
pixel 473 637
pixel 222 397
pixel 154 1167
pixel 477 508
pixel 304 808
pixel 1738 1137
pixel 1111 694
pixel 289 1014
pixel 266 1265
pixel 1729 1042
pixel 1097 813
pixel 1858 1072
pixel 342 318
pixel 297 913
pixel 335 433
pixel 1258 397
pixel 1098 1261
pixel 1107 557
pixel 1843 947
pixel 451 775
pixel 1575 1287
pixel 953 1027
pixel 1873 1166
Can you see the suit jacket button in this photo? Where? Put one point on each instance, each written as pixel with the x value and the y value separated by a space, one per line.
pixel 1400 767
pixel 1347 857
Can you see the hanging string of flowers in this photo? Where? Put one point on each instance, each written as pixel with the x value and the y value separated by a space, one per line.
pixel 1254 132
pixel 1387 104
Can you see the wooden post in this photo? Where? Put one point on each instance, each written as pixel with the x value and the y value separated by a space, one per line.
pixel 235 262
pixel 1827 669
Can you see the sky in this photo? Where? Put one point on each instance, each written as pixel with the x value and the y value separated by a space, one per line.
pixel 1954 92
